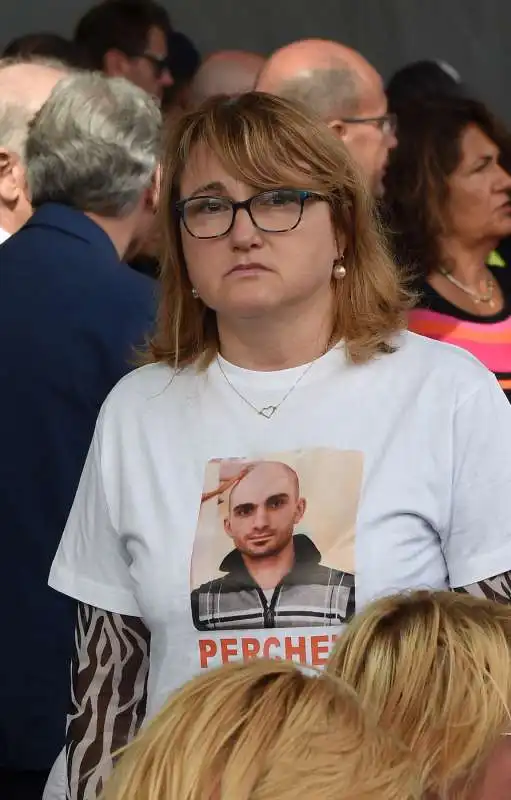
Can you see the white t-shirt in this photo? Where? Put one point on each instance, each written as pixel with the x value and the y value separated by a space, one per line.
pixel 395 474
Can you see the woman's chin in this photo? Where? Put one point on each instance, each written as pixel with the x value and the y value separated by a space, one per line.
pixel 248 304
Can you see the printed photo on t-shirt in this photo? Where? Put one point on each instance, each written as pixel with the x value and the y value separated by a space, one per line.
pixel 274 546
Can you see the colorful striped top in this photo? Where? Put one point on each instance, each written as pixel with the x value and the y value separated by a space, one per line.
pixel 487 338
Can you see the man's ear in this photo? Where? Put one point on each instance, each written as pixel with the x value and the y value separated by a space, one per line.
pixel 148 199
pixel 11 177
pixel 338 127
pixel 301 507
pixel 227 527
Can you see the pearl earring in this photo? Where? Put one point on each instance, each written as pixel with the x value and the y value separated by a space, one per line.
pixel 339 270
pixel 195 293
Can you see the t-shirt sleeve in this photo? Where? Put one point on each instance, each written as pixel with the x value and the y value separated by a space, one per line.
pixel 92 564
pixel 477 544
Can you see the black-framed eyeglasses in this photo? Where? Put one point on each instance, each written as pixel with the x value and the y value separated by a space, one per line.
pixel 159 63
pixel 386 123
pixel 274 211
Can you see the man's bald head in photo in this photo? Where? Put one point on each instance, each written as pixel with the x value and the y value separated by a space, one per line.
pixel 267 473
pixel 339 85
pixel 264 508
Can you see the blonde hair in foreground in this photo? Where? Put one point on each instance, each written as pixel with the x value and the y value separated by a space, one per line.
pixel 269 143
pixel 262 731
pixel 436 670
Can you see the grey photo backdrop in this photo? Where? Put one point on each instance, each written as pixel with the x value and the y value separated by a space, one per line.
pixel 471 35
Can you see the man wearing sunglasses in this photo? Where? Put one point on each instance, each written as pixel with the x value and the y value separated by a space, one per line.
pixel 128 39
pixel 339 85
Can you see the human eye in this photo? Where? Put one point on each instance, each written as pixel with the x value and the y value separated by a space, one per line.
pixel 484 163
pixel 274 503
pixel 244 510
pixel 207 206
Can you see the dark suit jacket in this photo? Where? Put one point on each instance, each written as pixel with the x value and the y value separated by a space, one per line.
pixel 70 314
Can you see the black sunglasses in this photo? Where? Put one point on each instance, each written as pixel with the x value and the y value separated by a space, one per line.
pixel 159 63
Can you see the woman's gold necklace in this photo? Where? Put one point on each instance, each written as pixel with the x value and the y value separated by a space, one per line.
pixel 476 297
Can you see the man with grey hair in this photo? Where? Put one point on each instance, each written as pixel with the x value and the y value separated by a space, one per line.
pixel 340 86
pixel 24 86
pixel 71 312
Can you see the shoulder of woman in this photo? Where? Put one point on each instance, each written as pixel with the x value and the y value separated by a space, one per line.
pixel 452 369
pixel 136 389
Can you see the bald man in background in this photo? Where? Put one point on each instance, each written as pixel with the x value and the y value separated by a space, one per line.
pixel 24 87
pixel 341 87
pixel 225 72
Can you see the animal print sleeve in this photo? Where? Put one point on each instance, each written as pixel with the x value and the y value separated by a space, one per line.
pixel 108 695
pixel 497 588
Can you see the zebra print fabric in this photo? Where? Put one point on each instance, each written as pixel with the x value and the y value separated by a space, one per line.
pixel 109 675
pixel 497 588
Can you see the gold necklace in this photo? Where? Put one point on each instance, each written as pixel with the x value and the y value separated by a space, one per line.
pixel 476 297
pixel 268 411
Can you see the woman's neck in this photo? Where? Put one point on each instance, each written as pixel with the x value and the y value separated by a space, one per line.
pixel 466 260
pixel 268 344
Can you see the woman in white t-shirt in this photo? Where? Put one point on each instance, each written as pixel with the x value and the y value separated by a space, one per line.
pixel 290 451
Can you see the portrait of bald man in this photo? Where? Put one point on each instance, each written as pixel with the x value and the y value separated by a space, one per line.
pixel 24 87
pixel 229 72
pixel 339 85
pixel 273 576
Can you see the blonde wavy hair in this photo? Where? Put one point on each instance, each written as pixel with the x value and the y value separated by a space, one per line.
pixel 268 142
pixel 262 731
pixel 435 668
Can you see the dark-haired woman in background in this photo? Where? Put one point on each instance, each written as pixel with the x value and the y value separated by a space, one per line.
pixel 448 203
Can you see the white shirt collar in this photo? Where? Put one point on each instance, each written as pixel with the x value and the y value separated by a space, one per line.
pixel 4 236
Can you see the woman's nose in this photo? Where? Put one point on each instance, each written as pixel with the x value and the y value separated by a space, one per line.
pixel 243 231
